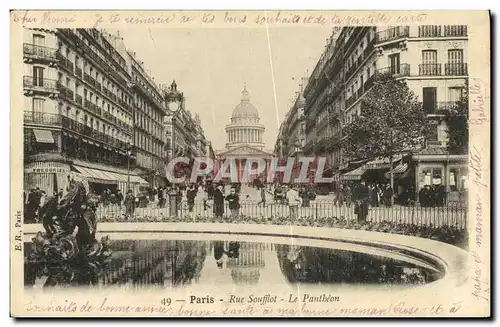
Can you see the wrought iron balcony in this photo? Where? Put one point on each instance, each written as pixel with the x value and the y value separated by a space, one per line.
pixel 398 71
pixel 439 107
pixel 393 33
pixel 79 99
pixel 39 52
pixel 45 84
pixel 429 31
pixel 455 69
pixel 78 72
pixel 429 69
pixel 42 118
pixel 65 92
pixel 455 30
pixel 64 62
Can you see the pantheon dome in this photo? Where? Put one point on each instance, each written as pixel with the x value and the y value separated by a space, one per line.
pixel 245 127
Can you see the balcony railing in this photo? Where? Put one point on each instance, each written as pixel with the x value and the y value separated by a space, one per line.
pixel 42 118
pixel 64 62
pixel 455 30
pixel 455 69
pixel 39 51
pixel 43 83
pixel 78 72
pixel 79 99
pixel 90 132
pixel 401 70
pixel 429 69
pixel 65 92
pixel 393 34
pixel 429 31
pixel 439 107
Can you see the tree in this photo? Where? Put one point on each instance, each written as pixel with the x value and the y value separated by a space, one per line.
pixel 457 124
pixel 391 121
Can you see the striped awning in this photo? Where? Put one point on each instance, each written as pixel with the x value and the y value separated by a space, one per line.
pixel 43 136
pixel 107 177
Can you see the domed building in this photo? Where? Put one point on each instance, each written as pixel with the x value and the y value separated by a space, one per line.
pixel 245 136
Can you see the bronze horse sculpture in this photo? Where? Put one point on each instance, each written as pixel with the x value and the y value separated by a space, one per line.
pixel 68 253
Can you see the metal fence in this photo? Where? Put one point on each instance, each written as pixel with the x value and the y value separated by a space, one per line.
pixel 454 214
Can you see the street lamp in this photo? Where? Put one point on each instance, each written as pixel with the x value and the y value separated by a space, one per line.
pixel 173 99
pixel 129 154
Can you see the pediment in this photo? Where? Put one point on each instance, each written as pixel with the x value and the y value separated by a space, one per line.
pixel 244 150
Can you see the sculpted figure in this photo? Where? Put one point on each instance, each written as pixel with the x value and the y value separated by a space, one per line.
pixel 68 253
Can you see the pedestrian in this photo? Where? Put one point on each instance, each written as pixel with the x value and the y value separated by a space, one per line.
pixel 234 202
pixel 348 195
pixel 218 206
pixel 305 195
pixel 161 197
pixel 129 203
pixel 294 201
pixel 262 195
pixel 361 208
pixel 190 196
pixel 388 195
pixel 119 198
pixel 340 195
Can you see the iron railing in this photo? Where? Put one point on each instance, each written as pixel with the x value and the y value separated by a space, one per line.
pixel 393 33
pixel 455 69
pixel 401 70
pixel 429 69
pixel 43 83
pixel 39 51
pixel 42 118
pixel 455 30
pixel 453 214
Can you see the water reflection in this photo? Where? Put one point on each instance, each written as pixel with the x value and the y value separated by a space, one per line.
pixel 175 263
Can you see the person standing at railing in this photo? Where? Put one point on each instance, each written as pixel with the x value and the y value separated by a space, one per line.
pixel 218 206
pixel 361 208
pixel 190 196
pixel 234 202
pixel 129 204
pixel 294 201
pixel 119 198
pixel 262 195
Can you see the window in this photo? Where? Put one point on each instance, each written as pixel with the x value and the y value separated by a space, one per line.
pixel 38 104
pixel 39 40
pixel 68 82
pixel 455 94
pixel 394 63
pixel 38 76
pixel 429 99
pixel 429 56
pixel 429 66
pixel 455 56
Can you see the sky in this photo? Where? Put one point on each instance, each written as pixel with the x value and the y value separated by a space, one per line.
pixel 212 65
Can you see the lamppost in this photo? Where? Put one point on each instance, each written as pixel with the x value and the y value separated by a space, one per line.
pixel 129 154
pixel 174 100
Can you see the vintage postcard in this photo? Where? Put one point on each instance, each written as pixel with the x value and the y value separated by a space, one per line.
pixel 250 164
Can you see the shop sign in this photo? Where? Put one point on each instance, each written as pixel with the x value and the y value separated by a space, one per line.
pixel 47 170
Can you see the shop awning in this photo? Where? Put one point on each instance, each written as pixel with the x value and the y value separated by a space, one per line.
pixel 43 136
pixel 399 169
pixel 107 177
pixel 354 175
pixel 96 176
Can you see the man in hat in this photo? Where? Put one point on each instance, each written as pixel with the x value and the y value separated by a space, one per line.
pixel 219 201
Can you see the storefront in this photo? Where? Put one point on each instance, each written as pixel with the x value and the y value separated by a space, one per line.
pixel 50 177
pixel 438 168
pixel 100 179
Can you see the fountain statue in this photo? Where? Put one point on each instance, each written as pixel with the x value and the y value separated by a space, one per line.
pixel 68 253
